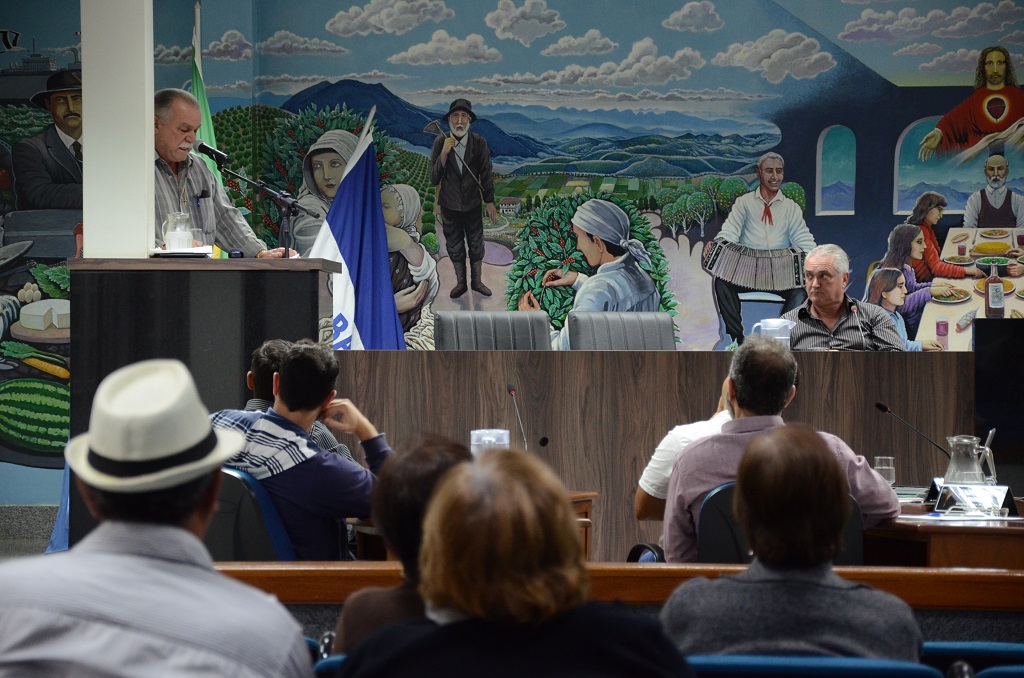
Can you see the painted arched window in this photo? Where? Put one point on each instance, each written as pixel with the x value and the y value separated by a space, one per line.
pixel 837 171
pixel 941 173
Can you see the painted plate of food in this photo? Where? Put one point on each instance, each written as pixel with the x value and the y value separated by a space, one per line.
pixel 958 260
pixel 994 233
pixel 1008 286
pixel 955 296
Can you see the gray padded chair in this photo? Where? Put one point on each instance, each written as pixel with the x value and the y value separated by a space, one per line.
pixel 621 331
pixel 491 331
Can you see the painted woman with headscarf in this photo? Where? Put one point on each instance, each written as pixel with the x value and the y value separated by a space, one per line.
pixel 413 270
pixel 620 283
pixel 321 174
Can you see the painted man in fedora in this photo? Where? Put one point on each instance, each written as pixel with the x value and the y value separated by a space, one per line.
pixel 139 595
pixel 461 163
pixel 48 166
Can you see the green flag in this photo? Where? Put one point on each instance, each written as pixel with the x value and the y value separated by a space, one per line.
pixel 205 132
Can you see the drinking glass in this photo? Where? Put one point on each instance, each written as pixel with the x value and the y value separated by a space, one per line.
pixel 886 467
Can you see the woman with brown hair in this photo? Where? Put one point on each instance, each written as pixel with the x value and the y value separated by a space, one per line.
pixel 502 574
pixel 927 211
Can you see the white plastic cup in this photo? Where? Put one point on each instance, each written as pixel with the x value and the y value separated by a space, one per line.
pixel 488 438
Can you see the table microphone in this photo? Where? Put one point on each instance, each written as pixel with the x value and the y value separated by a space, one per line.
pixel 522 431
pixel 882 407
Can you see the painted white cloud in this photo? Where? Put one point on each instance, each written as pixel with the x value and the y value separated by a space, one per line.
pixel 286 43
pixel 172 56
pixel 777 55
pixel 388 16
pixel 237 87
pixel 285 83
pixel 960 61
pixel 643 66
pixel 694 16
pixel 591 42
pixel 1015 38
pixel 909 24
pixel 447 49
pixel 526 23
pixel 918 49
pixel 374 76
pixel 984 18
pixel 675 95
pixel 232 46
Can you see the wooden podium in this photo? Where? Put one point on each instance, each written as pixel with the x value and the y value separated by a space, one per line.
pixel 209 313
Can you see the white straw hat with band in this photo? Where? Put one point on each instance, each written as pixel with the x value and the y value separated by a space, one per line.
pixel 149 430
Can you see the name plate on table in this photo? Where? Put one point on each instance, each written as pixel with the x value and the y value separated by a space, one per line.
pixel 974 497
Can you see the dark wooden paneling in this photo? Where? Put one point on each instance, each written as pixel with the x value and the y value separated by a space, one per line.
pixel 644 584
pixel 602 413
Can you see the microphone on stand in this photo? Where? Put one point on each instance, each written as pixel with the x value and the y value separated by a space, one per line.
pixel 219 157
pixel 882 407
pixel 853 309
pixel 522 431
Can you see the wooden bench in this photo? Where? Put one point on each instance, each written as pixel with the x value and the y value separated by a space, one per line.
pixel 648 584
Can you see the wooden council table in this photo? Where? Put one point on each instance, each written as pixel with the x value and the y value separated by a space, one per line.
pixel 913 541
pixel 934 310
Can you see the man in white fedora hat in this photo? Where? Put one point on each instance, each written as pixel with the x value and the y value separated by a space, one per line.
pixel 139 595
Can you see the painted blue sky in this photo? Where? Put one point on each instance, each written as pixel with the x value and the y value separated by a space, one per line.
pixel 711 58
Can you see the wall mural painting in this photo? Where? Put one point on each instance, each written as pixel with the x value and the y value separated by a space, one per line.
pixel 622 146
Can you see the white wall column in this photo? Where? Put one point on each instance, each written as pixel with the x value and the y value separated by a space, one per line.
pixel 117 83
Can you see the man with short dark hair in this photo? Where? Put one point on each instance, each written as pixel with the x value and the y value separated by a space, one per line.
pixel 762 382
pixel 139 595
pixel 313 490
pixel 260 379
pixel 791 502
pixel 830 320
pixel 48 166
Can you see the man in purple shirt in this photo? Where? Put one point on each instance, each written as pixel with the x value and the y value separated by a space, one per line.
pixel 313 490
pixel 762 382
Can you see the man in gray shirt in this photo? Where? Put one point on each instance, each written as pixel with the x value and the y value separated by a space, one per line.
pixel 831 321
pixel 184 183
pixel 139 595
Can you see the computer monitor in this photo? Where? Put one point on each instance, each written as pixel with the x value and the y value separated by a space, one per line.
pixel 998 382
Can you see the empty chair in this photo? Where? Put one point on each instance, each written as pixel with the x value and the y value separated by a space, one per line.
pixel 492 331
pixel 246 525
pixel 621 331
pixel 720 539
pixel 747 666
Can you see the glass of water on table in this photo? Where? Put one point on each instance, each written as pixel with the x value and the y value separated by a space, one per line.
pixel 886 467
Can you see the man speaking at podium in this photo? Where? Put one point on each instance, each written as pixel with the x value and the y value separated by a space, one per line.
pixel 185 184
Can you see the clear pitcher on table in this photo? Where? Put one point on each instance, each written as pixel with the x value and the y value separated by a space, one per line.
pixel 966 461
pixel 775 328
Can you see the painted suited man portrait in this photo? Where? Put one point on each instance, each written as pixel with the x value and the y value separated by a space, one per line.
pixel 48 166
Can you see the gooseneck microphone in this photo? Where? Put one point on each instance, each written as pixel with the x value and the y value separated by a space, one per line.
pixel 882 407
pixel 860 326
pixel 219 157
pixel 522 431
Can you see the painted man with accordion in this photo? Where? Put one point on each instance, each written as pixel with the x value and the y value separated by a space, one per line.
pixel 761 248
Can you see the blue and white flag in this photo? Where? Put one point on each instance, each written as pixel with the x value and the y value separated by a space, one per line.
pixel 353 234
